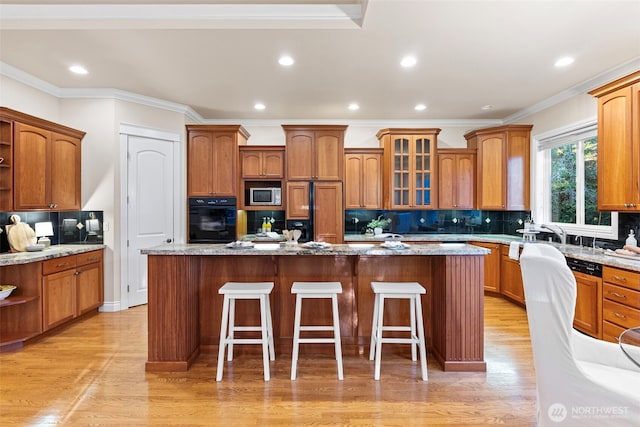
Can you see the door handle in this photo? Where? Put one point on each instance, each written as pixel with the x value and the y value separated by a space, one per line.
pixel 169 240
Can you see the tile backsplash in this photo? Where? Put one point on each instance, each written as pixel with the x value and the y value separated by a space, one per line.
pixel 74 227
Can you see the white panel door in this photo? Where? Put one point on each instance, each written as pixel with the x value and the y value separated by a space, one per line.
pixel 150 207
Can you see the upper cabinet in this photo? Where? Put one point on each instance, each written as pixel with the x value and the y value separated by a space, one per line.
pixel 363 178
pixel 410 170
pixel 212 156
pixel 315 152
pixel 260 162
pixel 503 166
pixel 456 179
pixel 42 164
pixel 619 144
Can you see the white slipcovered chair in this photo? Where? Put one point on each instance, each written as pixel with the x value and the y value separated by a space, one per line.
pixel 581 381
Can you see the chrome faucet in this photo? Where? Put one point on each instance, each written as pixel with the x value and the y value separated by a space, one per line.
pixel 558 231
pixel 578 238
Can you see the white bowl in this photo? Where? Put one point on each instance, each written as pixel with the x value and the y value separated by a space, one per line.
pixel 5 291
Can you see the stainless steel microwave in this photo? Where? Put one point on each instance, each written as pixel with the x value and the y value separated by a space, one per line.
pixel 265 196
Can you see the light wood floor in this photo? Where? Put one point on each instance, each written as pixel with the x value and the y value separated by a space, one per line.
pixel 93 373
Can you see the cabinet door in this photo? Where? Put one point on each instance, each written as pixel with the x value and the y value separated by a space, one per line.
pixel 329 154
pixel 511 279
pixel 353 191
pixel 465 181
pixel 588 313
pixel 300 163
pixel 297 200
pixel 616 168
pixel 423 167
pixel 200 164
pixel 65 172
pixel 372 181
pixel 273 164
pixel 31 167
pixel 447 181
pixel 517 164
pixel 400 172
pixel 224 164
pixel 89 288
pixel 492 172
pixel 58 298
pixel 328 215
pixel 251 164
pixel 491 266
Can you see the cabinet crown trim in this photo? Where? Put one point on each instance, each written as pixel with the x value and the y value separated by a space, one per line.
pixel 12 115
pixel 405 131
pixel 616 84
pixel 220 128
pixel 496 129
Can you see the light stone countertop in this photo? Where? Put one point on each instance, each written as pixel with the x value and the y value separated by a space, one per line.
pixel 55 251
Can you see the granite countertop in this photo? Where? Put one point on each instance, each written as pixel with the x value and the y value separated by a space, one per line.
pixel 333 250
pixel 54 251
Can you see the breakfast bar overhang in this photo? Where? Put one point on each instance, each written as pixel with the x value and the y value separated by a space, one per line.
pixel 184 307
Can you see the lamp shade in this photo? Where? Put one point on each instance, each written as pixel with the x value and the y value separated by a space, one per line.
pixel 44 229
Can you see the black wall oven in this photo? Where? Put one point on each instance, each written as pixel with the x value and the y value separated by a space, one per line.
pixel 212 219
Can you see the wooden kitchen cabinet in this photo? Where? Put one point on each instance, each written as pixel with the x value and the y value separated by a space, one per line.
pixel 619 144
pixel 511 277
pixel 363 178
pixel 409 173
pixel 314 152
pixel 212 155
pixel 71 286
pixel 21 312
pixel 503 165
pixel 588 312
pixel 328 214
pixel 44 160
pixel 621 301
pixel 456 179
pixel 297 200
pixel 261 162
pixel 491 266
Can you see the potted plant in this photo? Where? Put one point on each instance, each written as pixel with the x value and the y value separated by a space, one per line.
pixel 378 224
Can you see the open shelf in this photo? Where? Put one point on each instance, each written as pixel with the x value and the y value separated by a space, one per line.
pixel 17 300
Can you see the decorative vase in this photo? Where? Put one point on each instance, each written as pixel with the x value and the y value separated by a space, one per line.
pixel 377 230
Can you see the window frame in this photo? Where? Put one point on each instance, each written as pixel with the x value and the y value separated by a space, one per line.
pixel 541 213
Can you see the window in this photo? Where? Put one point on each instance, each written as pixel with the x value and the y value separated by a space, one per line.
pixel 567 182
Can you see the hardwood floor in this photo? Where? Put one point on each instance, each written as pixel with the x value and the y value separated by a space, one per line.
pixel 93 373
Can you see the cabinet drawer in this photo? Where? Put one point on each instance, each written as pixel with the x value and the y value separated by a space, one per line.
pixel 611 332
pixel 628 279
pixel 89 257
pixel 620 314
pixel 622 295
pixel 59 264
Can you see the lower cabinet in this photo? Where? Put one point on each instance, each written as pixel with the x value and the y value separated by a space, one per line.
pixel 621 301
pixel 588 314
pixel 511 277
pixel 71 286
pixel 491 266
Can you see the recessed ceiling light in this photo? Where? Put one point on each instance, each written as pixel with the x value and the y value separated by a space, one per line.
pixel 408 61
pixel 259 106
pixel 353 106
pixel 420 107
pixel 487 107
pixel 563 62
pixel 286 61
pixel 78 69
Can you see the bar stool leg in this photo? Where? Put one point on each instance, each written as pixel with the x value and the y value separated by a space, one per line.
pixel 296 337
pixel 421 342
pixel 412 308
pixel 272 351
pixel 265 337
pixel 223 337
pixel 379 327
pixel 336 335
pixel 232 326
pixel 374 332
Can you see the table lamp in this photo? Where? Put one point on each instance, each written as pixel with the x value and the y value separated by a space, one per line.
pixel 43 230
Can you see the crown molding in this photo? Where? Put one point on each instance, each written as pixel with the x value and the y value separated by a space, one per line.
pixel 464 123
pixel 181 15
pixel 29 80
pixel 622 70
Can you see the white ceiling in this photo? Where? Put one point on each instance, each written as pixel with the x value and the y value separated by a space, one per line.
pixel 220 57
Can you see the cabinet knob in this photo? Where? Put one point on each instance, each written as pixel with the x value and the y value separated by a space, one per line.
pixel 169 240
pixel 76 273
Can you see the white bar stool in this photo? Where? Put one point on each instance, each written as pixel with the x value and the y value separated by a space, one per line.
pixel 239 290
pixel 398 290
pixel 316 290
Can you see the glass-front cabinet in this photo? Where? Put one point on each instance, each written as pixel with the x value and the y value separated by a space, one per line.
pixel 409 176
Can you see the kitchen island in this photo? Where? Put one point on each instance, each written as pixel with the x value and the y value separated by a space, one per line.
pixel 184 306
